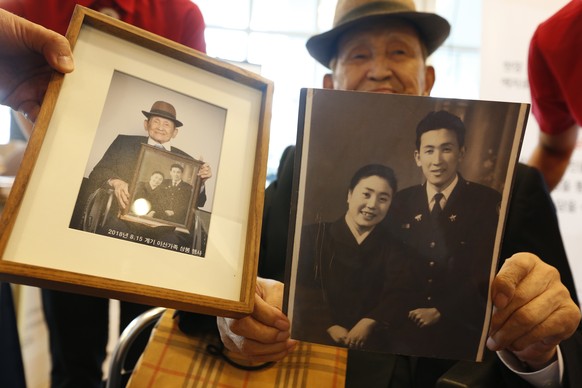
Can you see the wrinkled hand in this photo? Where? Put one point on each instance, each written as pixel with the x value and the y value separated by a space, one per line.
pixel 533 311
pixel 205 172
pixel 359 334
pixel 264 335
pixel 424 317
pixel 338 334
pixel 121 190
pixel 28 53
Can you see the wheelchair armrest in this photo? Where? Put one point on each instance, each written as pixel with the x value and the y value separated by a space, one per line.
pixel 126 339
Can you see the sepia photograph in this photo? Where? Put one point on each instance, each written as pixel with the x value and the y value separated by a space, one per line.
pixel 394 251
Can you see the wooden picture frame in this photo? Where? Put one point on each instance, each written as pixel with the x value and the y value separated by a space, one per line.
pixel 121 71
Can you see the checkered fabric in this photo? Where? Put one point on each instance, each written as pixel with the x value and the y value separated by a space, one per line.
pixel 173 359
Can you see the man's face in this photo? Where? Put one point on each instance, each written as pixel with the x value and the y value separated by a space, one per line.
pixel 380 58
pixel 176 174
pixel 160 129
pixel 439 156
pixel 369 202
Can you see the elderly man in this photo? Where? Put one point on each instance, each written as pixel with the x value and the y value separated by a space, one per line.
pixel 382 46
pixel 118 164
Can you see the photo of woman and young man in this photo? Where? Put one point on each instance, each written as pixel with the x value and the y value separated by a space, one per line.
pixel 393 251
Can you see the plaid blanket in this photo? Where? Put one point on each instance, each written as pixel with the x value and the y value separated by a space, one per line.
pixel 173 359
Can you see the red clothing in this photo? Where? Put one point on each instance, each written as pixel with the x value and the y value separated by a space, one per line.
pixel 178 20
pixel 555 70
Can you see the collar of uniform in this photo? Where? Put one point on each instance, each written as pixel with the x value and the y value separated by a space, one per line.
pixel 127 5
pixel 431 191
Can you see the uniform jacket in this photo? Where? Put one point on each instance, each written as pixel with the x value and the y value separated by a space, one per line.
pixel 176 199
pixel 442 263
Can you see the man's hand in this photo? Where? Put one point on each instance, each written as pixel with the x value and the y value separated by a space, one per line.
pixel 264 335
pixel 205 172
pixel 359 334
pixel 424 317
pixel 121 190
pixel 533 311
pixel 27 53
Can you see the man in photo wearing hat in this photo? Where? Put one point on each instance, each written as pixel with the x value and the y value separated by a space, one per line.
pixel 382 46
pixel 117 166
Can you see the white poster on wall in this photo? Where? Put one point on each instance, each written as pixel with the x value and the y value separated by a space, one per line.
pixel 508 26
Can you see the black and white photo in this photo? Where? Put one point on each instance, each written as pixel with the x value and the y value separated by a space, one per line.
pixel 394 251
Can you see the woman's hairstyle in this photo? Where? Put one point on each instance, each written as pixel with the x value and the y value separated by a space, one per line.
pixel 441 120
pixel 158 172
pixel 374 170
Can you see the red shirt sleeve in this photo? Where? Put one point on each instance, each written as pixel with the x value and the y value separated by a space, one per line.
pixel 554 64
pixel 548 105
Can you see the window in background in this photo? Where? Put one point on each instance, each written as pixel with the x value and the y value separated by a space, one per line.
pixel 458 62
pixel 272 34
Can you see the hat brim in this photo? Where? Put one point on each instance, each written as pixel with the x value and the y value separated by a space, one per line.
pixel 178 123
pixel 433 30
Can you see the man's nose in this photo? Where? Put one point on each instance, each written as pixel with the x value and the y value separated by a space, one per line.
pixel 380 68
pixel 437 157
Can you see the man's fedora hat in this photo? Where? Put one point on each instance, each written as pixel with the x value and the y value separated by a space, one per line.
pixel 165 110
pixel 432 28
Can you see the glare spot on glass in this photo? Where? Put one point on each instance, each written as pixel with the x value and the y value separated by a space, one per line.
pixel 141 207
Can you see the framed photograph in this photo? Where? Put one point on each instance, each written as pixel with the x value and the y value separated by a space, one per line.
pixel 164 190
pixel 395 250
pixel 144 177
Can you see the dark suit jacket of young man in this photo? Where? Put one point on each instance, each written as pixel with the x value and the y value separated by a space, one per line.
pixel 174 198
pixel 441 262
pixel 532 226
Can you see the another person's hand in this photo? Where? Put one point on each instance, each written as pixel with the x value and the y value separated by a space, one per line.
pixel 533 311
pixel 121 190
pixel 338 334
pixel 359 334
pixel 27 53
pixel 424 317
pixel 264 335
